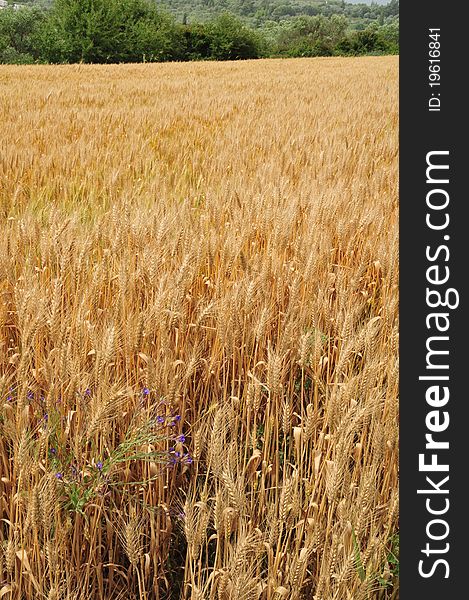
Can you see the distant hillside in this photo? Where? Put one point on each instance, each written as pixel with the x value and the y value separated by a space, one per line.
pixel 257 12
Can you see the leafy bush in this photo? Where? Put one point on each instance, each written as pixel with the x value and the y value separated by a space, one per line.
pixel 231 40
pixel 372 40
pixel 19 32
pixel 11 56
pixel 312 36
pixel 104 31
pixel 114 31
pixel 197 41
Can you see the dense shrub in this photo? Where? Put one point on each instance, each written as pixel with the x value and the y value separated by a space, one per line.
pixel 104 31
pixel 312 36
pixel 115 31
pixel 19 35
pixel 197 41
pixel 231 40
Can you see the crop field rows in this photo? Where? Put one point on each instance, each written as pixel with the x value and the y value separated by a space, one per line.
pixel 199 331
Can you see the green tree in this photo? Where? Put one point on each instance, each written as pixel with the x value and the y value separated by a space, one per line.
pixel 105 31
pixel 231 40
pixel 19 35
pixel 312 36
pixel 84 30
pixel 391 9
pixel 197 41
pixel 138 30
pixel 375 40
pixel 389 37
pixel 155 37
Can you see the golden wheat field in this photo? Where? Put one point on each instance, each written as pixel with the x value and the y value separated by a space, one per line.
pixel 199 331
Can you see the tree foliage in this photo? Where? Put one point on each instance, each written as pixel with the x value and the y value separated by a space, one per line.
pixel 312 36
pixel 105 31
pixel 230 39
pixel 113 31
pixel 19 35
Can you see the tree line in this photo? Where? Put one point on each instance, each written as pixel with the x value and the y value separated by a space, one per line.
pixel 115 31
pixel 257 12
